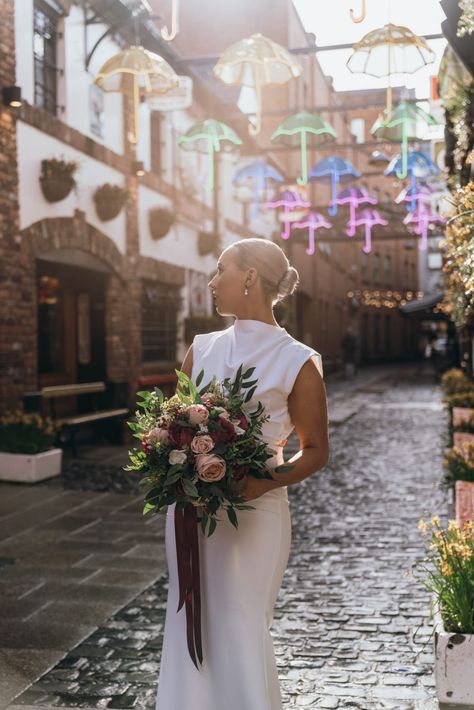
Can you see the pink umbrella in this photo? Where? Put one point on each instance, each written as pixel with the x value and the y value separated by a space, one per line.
pixel 368 218
pixel 289 200
pixel 353 196
pixel 313 222
pixel 422 217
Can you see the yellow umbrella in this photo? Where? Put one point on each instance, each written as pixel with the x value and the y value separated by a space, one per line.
pixel 136 72
pixel 391 49
pixel 255 62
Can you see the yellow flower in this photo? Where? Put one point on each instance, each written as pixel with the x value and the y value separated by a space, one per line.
pixel 435 521
pixel 422 526
pixel 445 569
pixel 452 526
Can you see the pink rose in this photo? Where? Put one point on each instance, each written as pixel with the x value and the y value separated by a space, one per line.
pixel 202 444
pixel 157 435
pixel 208 397
pixel 197 414
pixel 210 467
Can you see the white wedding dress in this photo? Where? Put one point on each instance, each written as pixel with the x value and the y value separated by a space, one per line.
pixel 241 570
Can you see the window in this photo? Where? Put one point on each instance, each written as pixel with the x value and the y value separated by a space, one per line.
pixel 387 267
pixel 376 268
pixel 155 143
pixel 358 129
pixel 45 34
pixel 160 304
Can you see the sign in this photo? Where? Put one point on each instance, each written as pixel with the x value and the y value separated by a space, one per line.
pixel 176 99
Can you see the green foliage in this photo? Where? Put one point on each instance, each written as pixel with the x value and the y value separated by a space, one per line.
pixel 26 433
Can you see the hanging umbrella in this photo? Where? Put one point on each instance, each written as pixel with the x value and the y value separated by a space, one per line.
pixel 336 170
pixel 367 218
pixel 136 72
pixel 402 126
pixel 259 172
pixel 255 62
pixel 363 11
pixel 306 130
pixel 291 202
pixel 391 49
pixel 206 137
pixel 422 217
pixel 418 195
pixel 312 223
pixel 353 196
pixel 419 166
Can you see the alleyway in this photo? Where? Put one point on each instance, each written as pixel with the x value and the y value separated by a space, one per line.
pixel 347 614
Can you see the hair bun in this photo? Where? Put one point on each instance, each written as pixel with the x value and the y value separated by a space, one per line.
pixel 288 283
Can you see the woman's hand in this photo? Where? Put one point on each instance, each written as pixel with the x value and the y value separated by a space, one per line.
pixel 255 487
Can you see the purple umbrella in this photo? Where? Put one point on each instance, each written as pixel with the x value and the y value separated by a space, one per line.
pixel 368 218
pixel 353 196
pixel 416 195
pixel 336 170
pixel 422 217
pixel 290 200
pixel 313 222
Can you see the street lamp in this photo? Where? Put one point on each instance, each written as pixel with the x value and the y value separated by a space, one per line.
pixel 12 96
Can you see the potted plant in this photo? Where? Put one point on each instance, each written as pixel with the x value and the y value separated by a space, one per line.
pixel 448 573
pixel 208 243
pixel 160 221
pixel 26 448
pixel 455 380
pixel 57 178
pixel 109 200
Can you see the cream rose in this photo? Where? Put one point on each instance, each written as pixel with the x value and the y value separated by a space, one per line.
pixel 210 467
pixel 202 444
pixel 197 414
pixel 177 456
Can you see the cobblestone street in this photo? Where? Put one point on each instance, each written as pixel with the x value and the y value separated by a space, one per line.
pixel 351 626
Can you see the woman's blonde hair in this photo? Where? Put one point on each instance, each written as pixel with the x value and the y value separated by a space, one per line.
pixel 278 277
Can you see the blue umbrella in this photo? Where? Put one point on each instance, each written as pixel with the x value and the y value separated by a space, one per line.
pixel 336 170
pixel 259 171
pixel 419 166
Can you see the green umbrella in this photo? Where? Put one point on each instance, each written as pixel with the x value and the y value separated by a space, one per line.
pixel 306 130
pixel 206 137
pixel 402 126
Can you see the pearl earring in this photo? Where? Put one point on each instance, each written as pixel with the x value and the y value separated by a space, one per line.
pixel 246 292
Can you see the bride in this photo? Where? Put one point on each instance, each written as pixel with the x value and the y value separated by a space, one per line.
pixel 241 570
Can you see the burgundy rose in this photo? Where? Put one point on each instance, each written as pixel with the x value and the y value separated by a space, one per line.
pixel 243 422
pixel 180 436
pixel 227 435
pixel 240 472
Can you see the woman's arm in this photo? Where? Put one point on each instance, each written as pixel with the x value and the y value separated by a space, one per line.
pixel 308 411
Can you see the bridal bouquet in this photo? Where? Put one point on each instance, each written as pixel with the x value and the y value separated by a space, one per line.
pixel 197 446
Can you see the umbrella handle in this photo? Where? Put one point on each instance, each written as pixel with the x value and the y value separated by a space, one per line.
pixel 404 172
pixel 333 208
pixel 303 180
pixel 310 249
pixel 255 130
pixel 210 176
pixel 134 133
pixel 368 239
pixel 169 36
pixel 363 12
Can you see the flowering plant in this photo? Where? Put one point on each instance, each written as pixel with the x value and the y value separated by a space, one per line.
pixel 197 446
pixel 26 433
pixel 450 575
pixel 459 465
pixel 455 380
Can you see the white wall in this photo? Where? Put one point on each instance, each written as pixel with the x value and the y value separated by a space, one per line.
pixel 74 86
pixel 34 146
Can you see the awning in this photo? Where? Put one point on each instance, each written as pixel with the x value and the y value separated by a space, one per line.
pixel 421 304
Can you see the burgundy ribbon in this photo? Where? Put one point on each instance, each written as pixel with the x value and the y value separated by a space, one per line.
pixel 187 555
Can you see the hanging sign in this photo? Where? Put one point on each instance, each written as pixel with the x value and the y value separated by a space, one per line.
pixel 177 99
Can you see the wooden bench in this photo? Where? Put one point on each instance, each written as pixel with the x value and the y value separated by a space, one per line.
pixel 35 401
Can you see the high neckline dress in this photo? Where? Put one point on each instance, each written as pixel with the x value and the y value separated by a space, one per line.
pixel 241 570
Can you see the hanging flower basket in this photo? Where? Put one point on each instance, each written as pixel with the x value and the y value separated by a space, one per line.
pixel 208 243
pixel 57 178
pixel 160 221
pixel 109 200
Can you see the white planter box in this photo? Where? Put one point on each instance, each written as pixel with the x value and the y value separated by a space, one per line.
pixel 29 468
pixel 454 661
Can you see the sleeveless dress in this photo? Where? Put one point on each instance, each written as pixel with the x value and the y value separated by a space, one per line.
pixel 241 570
